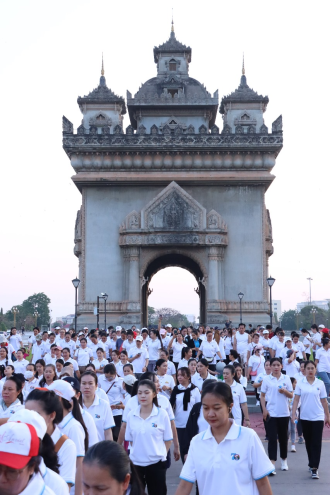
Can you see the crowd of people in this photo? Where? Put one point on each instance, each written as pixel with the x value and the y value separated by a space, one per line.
pixel 98 410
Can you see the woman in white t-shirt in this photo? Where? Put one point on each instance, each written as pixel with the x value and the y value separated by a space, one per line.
pixel 72 425
pixel 183 397
pixel 83 355
pixel 100 362
pixel 148 429
pixel 307 342
pixel 49 376
pixel 12 397
pixel 240 457
pixel 256 363
pixel 163 354
pixel 239 396
pixel 166 381
pixel 154 345
pixel 192 365
pixel 98 408
pixel 186 354
pixel 15 340
pixel 239 374
pixel 48 405
pixel 314 411
pixel 202 374
pixel 278 389
pixel 4 358
pixel 177 346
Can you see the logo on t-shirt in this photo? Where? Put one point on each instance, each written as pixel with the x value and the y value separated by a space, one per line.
pixel 97 416
pixel 235 457
pixel 154 425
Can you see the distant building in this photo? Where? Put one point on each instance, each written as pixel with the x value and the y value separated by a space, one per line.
pixel 319 304
pixel 66 320
pixel 277 308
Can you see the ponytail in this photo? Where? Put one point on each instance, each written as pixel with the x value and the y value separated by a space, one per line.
pixel 47 452
pixel 76 413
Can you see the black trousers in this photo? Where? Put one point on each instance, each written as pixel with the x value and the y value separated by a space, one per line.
pixel 116 429
pixel 312 431
pixel 154 476
pixel 277 428
pixel 183 442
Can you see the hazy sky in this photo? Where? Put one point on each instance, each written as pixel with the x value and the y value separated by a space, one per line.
pixel 51 53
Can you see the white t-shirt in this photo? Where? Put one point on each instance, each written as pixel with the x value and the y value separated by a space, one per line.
pixel 183 363
pixel 317 337
pixel 138 363
pixel 278 347
pixel 6 412
pixel 291 368
pixel 93 437
pixel 307 344
pixel 311 408
pixel 15 341
pixel 114 391
pixel 177 351
pixel 238 461
pixel 299 348
pixel 323 358
pixel 70 427
pixel 210 349
pixel 5 362
pixel 20 366
pixel 100 364
pixel 242 341
pixel 167 381
pixel 257 364
pixel 53 480
pixel 66 454
pixel 148 436
pixel 37 352
pixel 128 345
pixel 198 380
pixel 153 349
pixel 133 403
pixel 239 397
pixel 49 359
pixel 171 368
pixel 228 344
pixel 83 356
pixel 101 413
pixel 277 404
pixel 181 416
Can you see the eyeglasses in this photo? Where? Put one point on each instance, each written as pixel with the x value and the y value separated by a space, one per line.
pixel 10 473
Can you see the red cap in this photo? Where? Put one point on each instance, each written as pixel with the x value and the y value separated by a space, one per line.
pixel 19 442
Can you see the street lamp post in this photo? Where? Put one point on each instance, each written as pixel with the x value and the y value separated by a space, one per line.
pixel 270 282
pixel 297 315
pixel 98 312
pixel 15 311
pixel 313 311
pixel 36 314
pixel 310 290
pixel 240 296
pixel 104 296
pixel 75 283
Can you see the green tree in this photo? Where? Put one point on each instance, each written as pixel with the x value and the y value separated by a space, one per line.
pixel 169 315
pixel 37 302
pixel 307 318
pixel 288 320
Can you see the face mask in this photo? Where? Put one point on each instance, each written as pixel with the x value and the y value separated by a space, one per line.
pixel 28 375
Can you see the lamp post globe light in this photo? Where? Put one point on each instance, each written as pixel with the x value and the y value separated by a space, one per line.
pixel 240 296
pixel 270 282
pixel 313 311
pixel 75 283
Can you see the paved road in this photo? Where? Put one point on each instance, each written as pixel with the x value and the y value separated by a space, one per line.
pixel 296 481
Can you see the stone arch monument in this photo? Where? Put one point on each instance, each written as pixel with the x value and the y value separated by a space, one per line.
pixel 173 190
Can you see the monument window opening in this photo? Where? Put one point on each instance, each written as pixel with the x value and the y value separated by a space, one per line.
pixel 173 91
pixel 172 65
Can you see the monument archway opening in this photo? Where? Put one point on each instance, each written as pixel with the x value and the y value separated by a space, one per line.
pixel 174 260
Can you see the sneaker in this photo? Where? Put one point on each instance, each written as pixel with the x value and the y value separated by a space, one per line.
pixel 301 440
pixel 258 403
pixel 284 465
pixel 293 448
pixel 272 473
pixel 315 474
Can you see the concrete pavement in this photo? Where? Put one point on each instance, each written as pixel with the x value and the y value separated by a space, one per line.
pixel 296 480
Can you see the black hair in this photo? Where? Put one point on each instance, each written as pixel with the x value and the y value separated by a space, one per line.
pixel 123 351
pixel 159 362
pixel 235 354
pixel 19 380
pixel 42 382
pixel 113 458
pixel 192 359
pixel 184 351
pixel 83 338
pixel 292 379
pixel 220 389
pixel 110 368
pixel 53 345
pixel 325 341
pixel 76 413
pixel 47 452
pixel 165 351
pixel 275 359
pixel 150 384
pixel 90 365
pixel 269 327
pixel 130 332
pixel 100 349
pixel 309 362
pixel 66 349
pixel 242 325
pixel 303 330
pixel 67 363
pixel 147 375
pixel 60 360
pixel 128 364
pixel 129 388
pixel 315 326
pixel 204 362
pixel 50 403
pixel 232 370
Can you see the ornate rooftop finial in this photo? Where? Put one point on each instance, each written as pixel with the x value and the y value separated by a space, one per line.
pixel 243 68
pixel 102 70
pixel 172 28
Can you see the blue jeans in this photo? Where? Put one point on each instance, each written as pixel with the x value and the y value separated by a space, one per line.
pixel 325 377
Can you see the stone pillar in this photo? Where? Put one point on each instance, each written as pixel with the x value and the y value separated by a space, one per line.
pixel 133 275
pixel 213 275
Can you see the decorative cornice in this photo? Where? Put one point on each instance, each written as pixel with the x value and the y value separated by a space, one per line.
pixel 172 238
